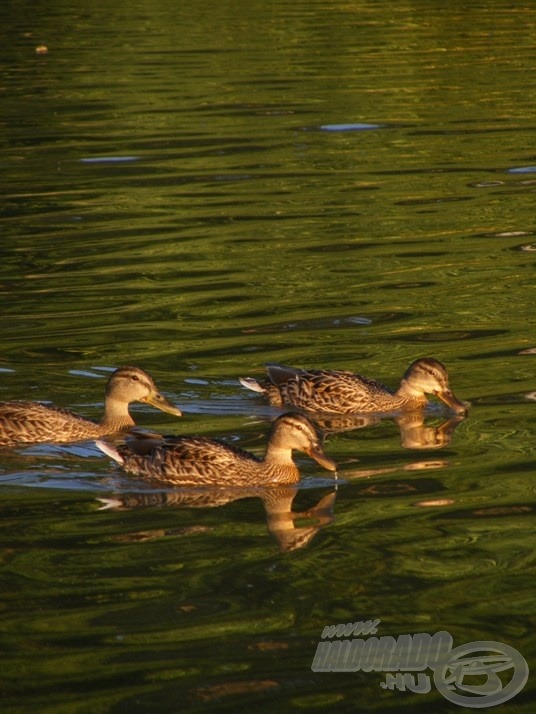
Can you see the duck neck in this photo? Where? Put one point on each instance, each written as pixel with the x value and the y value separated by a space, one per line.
pixel 116 415
pixel 279 464
pixel 407 394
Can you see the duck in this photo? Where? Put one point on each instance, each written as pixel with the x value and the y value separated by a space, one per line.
pixel 343 392
pixel 33 422
pixel 204 461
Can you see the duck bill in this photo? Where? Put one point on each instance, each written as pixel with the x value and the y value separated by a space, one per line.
pixel 450 400
pixel 155 399
pixel 316 453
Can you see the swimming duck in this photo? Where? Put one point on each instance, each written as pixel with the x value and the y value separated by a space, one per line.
pixel 32 422
pixel 202 461
pixel 343 392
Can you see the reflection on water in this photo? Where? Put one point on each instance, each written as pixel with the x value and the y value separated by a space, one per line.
pixel 277 502
pixel 199 189
pixel 414 432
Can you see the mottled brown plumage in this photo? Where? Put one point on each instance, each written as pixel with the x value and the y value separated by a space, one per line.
pixel 201 461
pixel 343 392
pixel 32 422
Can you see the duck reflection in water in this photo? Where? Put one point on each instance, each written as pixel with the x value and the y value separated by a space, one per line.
pixel 415 433
pixel 277 502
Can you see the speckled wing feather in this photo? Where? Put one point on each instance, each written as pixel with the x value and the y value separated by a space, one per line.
pixel 329 390
pixel 198 461
pixel 32 422
pixel 190 461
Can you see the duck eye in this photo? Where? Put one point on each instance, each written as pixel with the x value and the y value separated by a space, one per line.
pixel 135 378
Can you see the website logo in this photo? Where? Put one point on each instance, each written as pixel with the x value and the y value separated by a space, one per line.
pixel 467 675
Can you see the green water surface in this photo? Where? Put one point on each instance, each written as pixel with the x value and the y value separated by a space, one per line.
pixel 200 188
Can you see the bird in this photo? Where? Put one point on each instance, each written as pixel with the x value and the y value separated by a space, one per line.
pixel 343 392
pixel 203 461
pixel 32 422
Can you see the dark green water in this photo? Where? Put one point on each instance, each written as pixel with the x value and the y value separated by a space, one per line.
pixel 199 188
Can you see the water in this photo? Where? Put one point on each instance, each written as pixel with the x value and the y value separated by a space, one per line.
pixel 198 189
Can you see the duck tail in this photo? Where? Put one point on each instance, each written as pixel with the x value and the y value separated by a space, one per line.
pixel 109 503
pixel 110 451
pixel 250 383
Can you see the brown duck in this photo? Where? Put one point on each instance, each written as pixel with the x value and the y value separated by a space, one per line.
pixel 32 422
pixel 343 392
pixel 202 461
